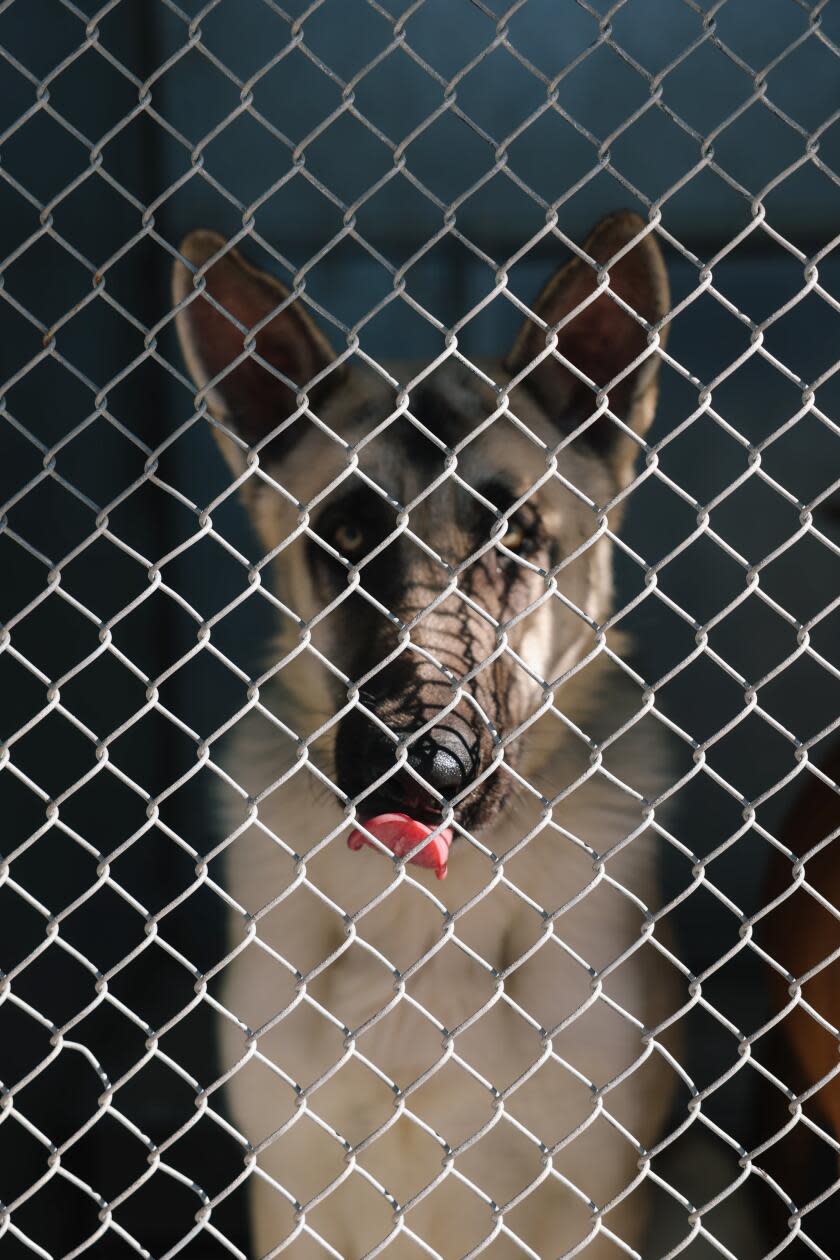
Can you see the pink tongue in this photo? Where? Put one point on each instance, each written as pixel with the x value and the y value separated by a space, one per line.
pixel 401 834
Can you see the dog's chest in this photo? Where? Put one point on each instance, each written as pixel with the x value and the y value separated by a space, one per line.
pixel 494 957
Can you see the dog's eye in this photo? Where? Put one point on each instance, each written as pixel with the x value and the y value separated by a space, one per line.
pixel 347 537
pixel 515 536
pixel 521 535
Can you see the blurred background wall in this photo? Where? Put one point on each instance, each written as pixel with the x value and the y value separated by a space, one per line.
pixel 122 128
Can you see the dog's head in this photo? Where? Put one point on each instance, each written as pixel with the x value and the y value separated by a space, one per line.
pixel 441 548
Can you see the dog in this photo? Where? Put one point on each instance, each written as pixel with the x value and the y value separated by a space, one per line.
pixel 417 1065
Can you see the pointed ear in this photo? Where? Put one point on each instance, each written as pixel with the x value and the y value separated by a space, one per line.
pixel 245 341
pixel 602 340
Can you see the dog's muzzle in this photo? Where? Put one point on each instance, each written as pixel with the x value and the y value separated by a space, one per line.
pixel 405 812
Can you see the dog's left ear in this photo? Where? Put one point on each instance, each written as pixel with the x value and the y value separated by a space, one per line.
pixel 238 305
pixel 602 341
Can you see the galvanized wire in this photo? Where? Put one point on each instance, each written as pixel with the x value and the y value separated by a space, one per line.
pixel 209 749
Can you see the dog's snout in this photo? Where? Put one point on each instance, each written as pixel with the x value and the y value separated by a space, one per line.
pixel 442 763
pixel 441 759
pixel 446 773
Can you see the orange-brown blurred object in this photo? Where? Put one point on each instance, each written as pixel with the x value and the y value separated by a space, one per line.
pixel 802 933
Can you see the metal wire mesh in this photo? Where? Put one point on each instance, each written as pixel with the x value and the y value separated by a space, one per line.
pixel 110 714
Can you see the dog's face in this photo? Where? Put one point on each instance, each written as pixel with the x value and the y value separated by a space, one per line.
pixel 444 559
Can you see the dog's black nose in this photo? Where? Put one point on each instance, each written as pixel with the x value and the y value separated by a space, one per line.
pixel 442 759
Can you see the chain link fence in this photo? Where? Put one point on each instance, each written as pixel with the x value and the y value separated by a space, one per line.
pixel 224 1031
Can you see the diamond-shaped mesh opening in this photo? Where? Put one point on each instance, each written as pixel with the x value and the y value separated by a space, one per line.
pixel 272 618
pixel 369 37
pixel 550 47
pixel 53 16
pixel 427 31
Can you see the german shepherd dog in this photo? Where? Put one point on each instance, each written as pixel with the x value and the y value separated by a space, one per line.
pixel 425 1067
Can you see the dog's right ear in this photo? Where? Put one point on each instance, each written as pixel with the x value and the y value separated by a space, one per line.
pixel 238 313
